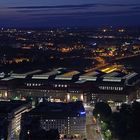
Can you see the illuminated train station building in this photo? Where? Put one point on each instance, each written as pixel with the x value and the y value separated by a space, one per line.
pixel 64 85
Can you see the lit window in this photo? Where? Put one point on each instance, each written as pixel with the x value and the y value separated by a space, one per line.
pixel 120 88
pixel 28 84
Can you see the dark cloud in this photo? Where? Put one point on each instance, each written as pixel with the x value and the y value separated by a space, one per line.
pixel 51 7
pixel 79 10
pixel 83 14
pixel 74 6
pixel 90 12
pixel 136 8
pixel 75 14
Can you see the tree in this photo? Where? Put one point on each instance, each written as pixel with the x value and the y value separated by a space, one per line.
pixel 103 110
pixel 125 124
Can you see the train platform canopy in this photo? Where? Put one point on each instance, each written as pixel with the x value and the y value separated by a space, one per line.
pixel 45 76
pixel 67 75
pixel 24 75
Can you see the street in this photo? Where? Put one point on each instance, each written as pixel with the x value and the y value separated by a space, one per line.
pixel 92 132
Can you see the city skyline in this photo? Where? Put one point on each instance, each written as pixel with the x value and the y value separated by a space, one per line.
pixel 69 13
pixel 69 70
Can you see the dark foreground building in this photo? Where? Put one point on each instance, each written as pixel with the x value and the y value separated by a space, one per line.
pixel 68 118
pixel 10 117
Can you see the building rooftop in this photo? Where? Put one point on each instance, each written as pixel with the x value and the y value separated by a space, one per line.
pixel 47 75
pixel 2 74
pixel 59 110
pixel 8 78
pixel 67 76
pixel 130 75
pixel 64 76
pixel 9 106
pixel 24 75
pixel 90 76
pixel 112 74
pixel 93 73
pixel 112 79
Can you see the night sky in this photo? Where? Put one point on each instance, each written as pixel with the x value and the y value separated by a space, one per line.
pixel 65 13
